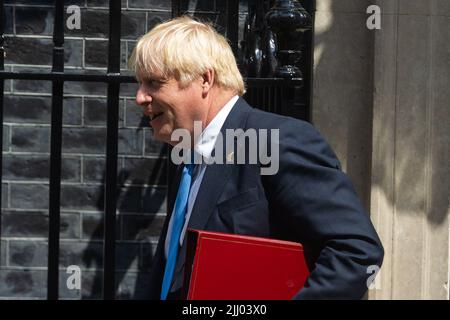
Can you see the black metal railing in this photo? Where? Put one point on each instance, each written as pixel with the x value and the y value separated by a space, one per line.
pixel 55 153
pixel 113 78
pixel 2 87
pixel 275 95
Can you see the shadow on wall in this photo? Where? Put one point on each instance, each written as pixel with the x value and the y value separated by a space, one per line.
pixel 343 87
pixel 129 254
pixel 407 185
pixel 343 112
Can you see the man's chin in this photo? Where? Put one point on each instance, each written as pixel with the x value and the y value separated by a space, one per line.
pixel 167 138
pixel 160 137
pixel 178 143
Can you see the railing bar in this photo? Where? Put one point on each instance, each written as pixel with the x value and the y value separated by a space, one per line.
pixel 116 78
pixel 176 8
pixel 269 96
pixel 55 155
pixel 309 62
pixel 265 98
pixel 2 82
pixel 277 100
pixel 261 97
pixel 233 24
pixel 67 77
pixel 109 248
pixel 274 102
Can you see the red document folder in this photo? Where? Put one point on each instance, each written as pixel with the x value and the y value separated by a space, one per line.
pixel 221 266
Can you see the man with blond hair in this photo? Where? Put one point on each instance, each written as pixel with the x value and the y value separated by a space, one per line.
pixel 188 75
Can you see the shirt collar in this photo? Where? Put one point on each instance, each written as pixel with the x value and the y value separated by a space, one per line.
pixel 205 144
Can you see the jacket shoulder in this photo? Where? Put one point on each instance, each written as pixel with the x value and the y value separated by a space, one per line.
pixel 259 119
pixel 295 133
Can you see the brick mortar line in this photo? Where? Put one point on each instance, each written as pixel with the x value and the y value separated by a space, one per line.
pixel 10 138
pixel 68 126
pixel 80 212
pixel 9 195
pixel 82 169
pixel 26 211
pixel 83 241
pixel 66 67
pixel 83 52
pixel 70 155
pixel 44 182
pixel 363 13
pixel 7 253
pixel 87 7
pixel 69 95
pixel 90 269
pixel 50 37
pixel 14 21
pixel 76 155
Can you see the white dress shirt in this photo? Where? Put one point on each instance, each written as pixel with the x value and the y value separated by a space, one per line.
pixel 204 146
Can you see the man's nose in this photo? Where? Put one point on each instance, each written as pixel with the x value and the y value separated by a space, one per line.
pixel 142 97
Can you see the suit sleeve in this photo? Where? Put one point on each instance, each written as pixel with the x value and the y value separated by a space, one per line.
pixel 321 206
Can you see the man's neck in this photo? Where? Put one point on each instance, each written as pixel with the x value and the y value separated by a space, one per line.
pixel 218 99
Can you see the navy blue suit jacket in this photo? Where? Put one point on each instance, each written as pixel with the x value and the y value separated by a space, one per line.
pixel 310 200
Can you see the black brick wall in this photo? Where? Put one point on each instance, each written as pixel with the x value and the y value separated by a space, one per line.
pixel 142 182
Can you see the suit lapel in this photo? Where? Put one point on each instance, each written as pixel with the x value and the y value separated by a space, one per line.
pixel 217 175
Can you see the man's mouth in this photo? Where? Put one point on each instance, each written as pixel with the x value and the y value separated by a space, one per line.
pixel 156 115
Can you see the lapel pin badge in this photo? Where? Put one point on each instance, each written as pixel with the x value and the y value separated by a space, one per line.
pixel 230 157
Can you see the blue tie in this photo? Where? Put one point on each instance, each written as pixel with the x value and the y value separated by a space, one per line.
pixel 178 222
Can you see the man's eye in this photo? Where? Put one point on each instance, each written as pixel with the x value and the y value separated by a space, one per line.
pixel 151 82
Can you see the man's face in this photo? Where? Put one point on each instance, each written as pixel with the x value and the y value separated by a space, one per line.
pixel 169 106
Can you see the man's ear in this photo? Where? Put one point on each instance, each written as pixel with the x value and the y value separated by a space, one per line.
pixel 207 80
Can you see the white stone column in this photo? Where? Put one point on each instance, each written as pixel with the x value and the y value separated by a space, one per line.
pixel 410 162
pixel 382 100
pixel 342 86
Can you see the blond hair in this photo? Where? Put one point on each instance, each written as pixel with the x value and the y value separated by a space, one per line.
pixel 183 48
